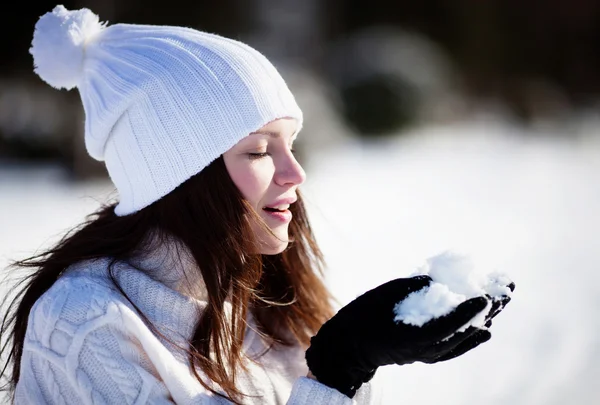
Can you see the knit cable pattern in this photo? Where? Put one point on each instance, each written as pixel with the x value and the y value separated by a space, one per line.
pixel 85 344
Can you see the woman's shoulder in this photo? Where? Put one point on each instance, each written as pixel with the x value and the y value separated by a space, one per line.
pixel 84 293
pixel 85 298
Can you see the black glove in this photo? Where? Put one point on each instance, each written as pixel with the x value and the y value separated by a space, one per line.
pixel 480 336
pixel 363 335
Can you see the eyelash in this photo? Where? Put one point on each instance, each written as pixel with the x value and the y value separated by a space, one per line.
pixel 254 156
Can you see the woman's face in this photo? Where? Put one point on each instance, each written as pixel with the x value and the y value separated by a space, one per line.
pixel 267 174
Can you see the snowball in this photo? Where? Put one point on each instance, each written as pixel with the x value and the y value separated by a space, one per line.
pixel 455 280
pixel 59 42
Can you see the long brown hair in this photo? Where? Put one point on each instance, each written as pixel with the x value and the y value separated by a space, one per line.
pixel 208 214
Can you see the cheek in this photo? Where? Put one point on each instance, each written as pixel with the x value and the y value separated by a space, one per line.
pixel 252 180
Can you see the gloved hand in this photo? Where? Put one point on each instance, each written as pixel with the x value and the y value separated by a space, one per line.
pixel 363 335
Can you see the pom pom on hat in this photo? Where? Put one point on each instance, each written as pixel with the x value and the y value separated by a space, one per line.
pixel 59 43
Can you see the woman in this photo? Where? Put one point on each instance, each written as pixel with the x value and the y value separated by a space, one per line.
pixel 202 284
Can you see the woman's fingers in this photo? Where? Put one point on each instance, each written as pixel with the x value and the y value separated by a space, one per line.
pixel 498 305
pixel 470 343
pixel 434 351
pixel 442 327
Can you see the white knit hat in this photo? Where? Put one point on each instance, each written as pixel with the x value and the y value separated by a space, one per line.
pixel 160 102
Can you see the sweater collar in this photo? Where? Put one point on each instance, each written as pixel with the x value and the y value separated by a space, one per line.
pixel 171 263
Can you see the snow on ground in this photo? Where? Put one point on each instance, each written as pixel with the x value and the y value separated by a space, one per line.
pixel 525 206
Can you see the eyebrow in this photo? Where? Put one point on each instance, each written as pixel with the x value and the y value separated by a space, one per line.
pixel 269 133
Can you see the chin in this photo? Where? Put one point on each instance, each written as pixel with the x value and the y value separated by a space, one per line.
pixel 274 250
pixel 274 246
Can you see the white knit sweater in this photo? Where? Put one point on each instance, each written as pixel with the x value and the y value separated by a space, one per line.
pixel 86 344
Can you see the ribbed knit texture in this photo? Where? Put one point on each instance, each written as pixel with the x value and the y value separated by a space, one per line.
pixel 85 344
pixel 163 102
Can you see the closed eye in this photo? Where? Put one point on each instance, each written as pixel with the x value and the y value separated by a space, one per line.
pixel 258 155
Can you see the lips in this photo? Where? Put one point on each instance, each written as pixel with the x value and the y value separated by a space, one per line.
pixel 283 204
pixel 279 210
pixel 279 216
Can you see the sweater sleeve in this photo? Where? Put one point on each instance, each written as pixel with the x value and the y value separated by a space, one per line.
pixel 45 382
pixel 309 391
pixel 81 347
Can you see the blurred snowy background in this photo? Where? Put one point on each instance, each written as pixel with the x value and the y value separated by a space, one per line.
pixel 429 126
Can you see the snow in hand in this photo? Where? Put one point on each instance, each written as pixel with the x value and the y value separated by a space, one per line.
pixel 455 279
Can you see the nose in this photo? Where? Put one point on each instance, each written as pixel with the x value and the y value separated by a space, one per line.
pixel 289 171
